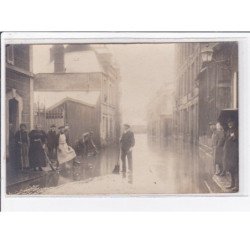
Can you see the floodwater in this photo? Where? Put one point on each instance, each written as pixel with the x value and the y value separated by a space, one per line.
pixel 171 167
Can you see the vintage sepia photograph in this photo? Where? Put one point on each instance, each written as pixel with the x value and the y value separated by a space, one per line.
pixel 157 118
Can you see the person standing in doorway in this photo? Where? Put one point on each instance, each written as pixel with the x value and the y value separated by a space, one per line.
pixel 22 148
pixel 231 154
pixel 51 142
pixel 127 142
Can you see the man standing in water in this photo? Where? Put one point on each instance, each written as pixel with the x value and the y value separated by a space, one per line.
pixel 127 143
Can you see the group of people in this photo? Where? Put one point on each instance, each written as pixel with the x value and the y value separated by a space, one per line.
pixel 35 149
pixel 225 151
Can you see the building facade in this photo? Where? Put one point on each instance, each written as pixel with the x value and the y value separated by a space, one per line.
pixel 204 88
pixel 188 64
pixel 159 115
pixel 218 86
pixel 83 68
pixel 19 90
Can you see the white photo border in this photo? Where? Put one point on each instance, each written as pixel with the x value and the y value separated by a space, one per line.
pixel 176 202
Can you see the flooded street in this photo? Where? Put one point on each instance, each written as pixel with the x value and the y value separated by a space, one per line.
pixel 158 168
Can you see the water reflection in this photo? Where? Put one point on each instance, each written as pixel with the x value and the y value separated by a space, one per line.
pixel 159 166
pixel 91 166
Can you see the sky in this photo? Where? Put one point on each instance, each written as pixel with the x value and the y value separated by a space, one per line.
pixel 144 68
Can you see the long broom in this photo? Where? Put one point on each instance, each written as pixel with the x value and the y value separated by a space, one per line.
pixel 21 150
pixel 47 158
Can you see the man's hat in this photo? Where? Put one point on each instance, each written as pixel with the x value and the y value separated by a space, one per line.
pixel 126 125
pixel 211 123
pixel 53 126
pixel 23 125
pixel 61 127
pixel 230 119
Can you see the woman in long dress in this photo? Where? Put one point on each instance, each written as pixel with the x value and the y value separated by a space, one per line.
pixel 37 156
pixel 65 153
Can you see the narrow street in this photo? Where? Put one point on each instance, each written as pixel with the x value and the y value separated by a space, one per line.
pixel 170 168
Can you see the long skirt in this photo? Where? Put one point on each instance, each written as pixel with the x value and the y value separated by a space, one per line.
pixel 65 153
pixel 37 156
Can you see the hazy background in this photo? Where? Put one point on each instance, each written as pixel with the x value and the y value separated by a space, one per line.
pixel 144 68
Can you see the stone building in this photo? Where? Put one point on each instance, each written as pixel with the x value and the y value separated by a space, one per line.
pixel 218 85
pixel 86 68
pixel 188 64
pixel 206 83
pixel 19 89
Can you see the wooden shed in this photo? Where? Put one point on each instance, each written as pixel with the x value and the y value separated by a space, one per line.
pixel 80 110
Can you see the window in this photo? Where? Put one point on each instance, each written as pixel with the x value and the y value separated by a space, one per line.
pixel 10 54
pixel 105 97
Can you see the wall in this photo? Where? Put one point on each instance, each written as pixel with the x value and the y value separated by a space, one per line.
pixel 21 83
pixel 18 87
pixel 67 81
pixel 81 119
pixel 217 87
pixel 186 92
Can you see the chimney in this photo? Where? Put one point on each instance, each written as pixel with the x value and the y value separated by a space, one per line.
pixel 58 54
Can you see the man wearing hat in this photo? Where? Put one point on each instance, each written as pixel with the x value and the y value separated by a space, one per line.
pixel 231 154
pixel 127 142
pixel 21 147
pixel 51 142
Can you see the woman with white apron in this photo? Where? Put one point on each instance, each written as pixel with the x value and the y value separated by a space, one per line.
pixel 65 153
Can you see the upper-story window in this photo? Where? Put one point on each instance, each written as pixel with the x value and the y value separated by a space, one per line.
pixel 10 54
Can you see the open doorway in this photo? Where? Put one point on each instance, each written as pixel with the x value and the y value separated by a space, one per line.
pixel 13 126
pixel 13 114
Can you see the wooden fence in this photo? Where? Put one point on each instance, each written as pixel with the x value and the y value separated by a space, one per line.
pixel 47 118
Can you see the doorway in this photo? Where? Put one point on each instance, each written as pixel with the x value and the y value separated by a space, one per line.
pixel 13 114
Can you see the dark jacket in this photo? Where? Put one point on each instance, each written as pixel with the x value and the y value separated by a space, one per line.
pixel 51 139
pixel 21 136
pixel 231 151
pixel 127 140
pixel 37 156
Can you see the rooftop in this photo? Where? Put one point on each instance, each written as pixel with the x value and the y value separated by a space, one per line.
pixel 51 99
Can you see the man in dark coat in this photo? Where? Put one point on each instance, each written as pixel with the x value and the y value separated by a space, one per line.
pixel 127 142
pixel 52 142
pixel 37 156
pixel 21 148
pixel 231 154
pixel 218 144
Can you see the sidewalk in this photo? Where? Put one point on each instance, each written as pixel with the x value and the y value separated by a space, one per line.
pixel 16 179
pixel 223 182
pixel 220 181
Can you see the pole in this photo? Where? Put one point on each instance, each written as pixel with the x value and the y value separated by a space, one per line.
pixel 46 156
